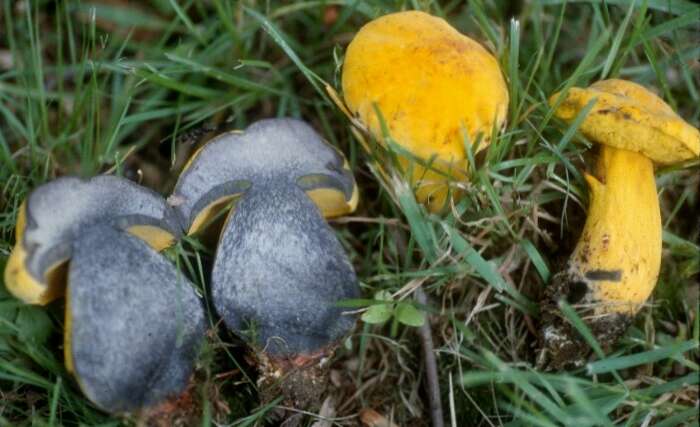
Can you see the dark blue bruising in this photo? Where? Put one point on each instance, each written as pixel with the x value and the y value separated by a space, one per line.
pixel 281 271
pixel 137 323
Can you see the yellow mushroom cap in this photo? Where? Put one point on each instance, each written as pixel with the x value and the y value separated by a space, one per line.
pixel 628 116
pixel 430 82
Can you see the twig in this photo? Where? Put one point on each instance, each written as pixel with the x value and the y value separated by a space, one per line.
pixel 430 366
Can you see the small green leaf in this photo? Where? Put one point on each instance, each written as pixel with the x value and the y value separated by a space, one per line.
pixel 378 313
pixel 409 315
pixel 383 296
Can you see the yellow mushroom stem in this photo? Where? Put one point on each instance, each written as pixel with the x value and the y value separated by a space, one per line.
pixel 618 255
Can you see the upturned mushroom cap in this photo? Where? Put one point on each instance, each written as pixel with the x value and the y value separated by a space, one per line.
pixel 133 322
pixel 434 87
pixel 280 273
pixel 628 116
pixel 272 149
pixel 56 214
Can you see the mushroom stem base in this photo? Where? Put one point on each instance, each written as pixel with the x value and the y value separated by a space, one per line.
pixel 301 381
pixel 181 409
pixel 562 347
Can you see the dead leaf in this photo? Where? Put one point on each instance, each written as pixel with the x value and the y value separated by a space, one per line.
pixel 327 412
pixel 372 418
pixel 7 61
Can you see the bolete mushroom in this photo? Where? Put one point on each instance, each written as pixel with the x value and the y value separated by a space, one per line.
pixel 279 271
pixel 436 89
pixel 54 215
pixel 616 262
pixel 133 323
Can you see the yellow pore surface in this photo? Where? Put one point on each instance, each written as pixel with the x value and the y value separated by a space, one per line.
pixel 628 116
pixel 435 89
pixel 622 232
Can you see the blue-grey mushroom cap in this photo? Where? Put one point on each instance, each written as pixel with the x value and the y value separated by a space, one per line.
pixel 280 273
pixel 286 150
pixel 135 323
pixel 58 211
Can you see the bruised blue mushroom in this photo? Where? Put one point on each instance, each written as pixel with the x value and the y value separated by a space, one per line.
pixel 133 323
pixel 279 272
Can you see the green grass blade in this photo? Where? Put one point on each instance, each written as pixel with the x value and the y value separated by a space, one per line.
pixel 624 362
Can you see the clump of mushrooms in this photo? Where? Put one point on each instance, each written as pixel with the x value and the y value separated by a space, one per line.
pixel 133 324
pixel 615 265
pixel 279 271
pixel 437 91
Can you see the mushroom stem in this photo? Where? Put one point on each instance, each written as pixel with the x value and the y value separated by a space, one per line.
pixel 622 233
pixel 278 277
pixel 615 265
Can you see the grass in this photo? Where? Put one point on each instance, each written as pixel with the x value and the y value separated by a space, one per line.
pixel 88 87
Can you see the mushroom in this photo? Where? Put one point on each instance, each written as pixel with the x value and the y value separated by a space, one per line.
pixel 436 89
pixel 279 271
pixel 616 262
pixel 133 323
